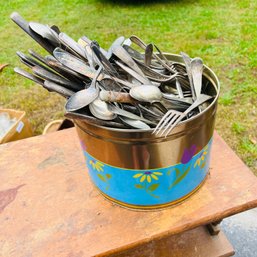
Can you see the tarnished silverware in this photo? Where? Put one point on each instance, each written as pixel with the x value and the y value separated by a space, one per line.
pixel 45 32
pixel 197 74
pixel 134 123
pixel 121 112
pixel 72 45
pixel 73 63
pixel 83 116
pixel 143 45
pixel 148 54
pixel 150 94
pixel 134 74
pixel 146 93
pixel 24 25
pixel 123 55
pixel 53 87
pixel 172 117
pixel 45 74
pixel 29 76
pixel 118 97
pixel 100 110
pixel 84 97
pixel 120 85
pixel 187 61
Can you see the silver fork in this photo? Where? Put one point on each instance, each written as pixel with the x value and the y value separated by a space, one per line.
pixel 173 117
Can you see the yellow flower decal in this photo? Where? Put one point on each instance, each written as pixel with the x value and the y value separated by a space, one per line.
pixel 202 156
pixel 148 175
pixel 96 165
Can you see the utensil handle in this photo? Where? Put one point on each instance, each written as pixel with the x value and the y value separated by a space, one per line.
pixel 148 54
pixel 200 100
pixel 104 61
pixel 29 76
pixel 24 25
pixel 143 45
pixel 187 61
pixel 118 97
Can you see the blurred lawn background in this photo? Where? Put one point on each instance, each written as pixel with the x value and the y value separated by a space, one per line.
pixel 221 32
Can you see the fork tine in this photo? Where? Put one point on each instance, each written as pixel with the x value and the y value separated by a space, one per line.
pixel 175 124
pixel 162 125
pixel 168 119
pixel 171 123
pixel 161 121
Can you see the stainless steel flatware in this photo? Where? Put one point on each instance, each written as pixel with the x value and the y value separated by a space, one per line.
pixel 24 25
pixel 72 45
pixel 45 32
pixel 134 123
pixel 133 73
pixel 29 76
pixel 148 54
pixel 121 112
pixel 73 63
pixel 83 116
pixel 53 87
pixel 101 111
pixel 84 97
pixel 172 117
pixel 45 74
pixel 187 61
pixel 197 74
pixel 31 62
pixel 143 45
pixel 123 55
pixel 121 87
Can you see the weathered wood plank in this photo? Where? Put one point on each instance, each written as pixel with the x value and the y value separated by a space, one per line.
pixel 48 206
pixel 193 243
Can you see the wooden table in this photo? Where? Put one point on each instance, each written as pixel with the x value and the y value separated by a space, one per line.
pixel 48 206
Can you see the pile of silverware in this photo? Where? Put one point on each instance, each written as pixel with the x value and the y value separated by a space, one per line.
pixel 121 87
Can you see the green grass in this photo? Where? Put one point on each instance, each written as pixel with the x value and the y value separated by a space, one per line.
pixel 222 32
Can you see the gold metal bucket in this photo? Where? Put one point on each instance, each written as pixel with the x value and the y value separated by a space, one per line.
pixel 140 170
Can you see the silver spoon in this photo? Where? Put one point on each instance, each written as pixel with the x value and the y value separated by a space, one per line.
pixel 24 25
pixel 44 31
pixel 100 110
pixel 146 93
pixel 84 97
pixel 73 62
pixel 121 112
pixel 150 94
pixel 197 72
pixel 134 123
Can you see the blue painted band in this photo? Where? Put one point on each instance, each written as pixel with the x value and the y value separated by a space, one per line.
pixel 151 187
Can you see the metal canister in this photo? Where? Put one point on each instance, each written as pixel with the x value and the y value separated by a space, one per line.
pixel 137 169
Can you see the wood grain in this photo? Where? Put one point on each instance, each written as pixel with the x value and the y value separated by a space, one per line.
pixel 58 212
pixel 193 243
